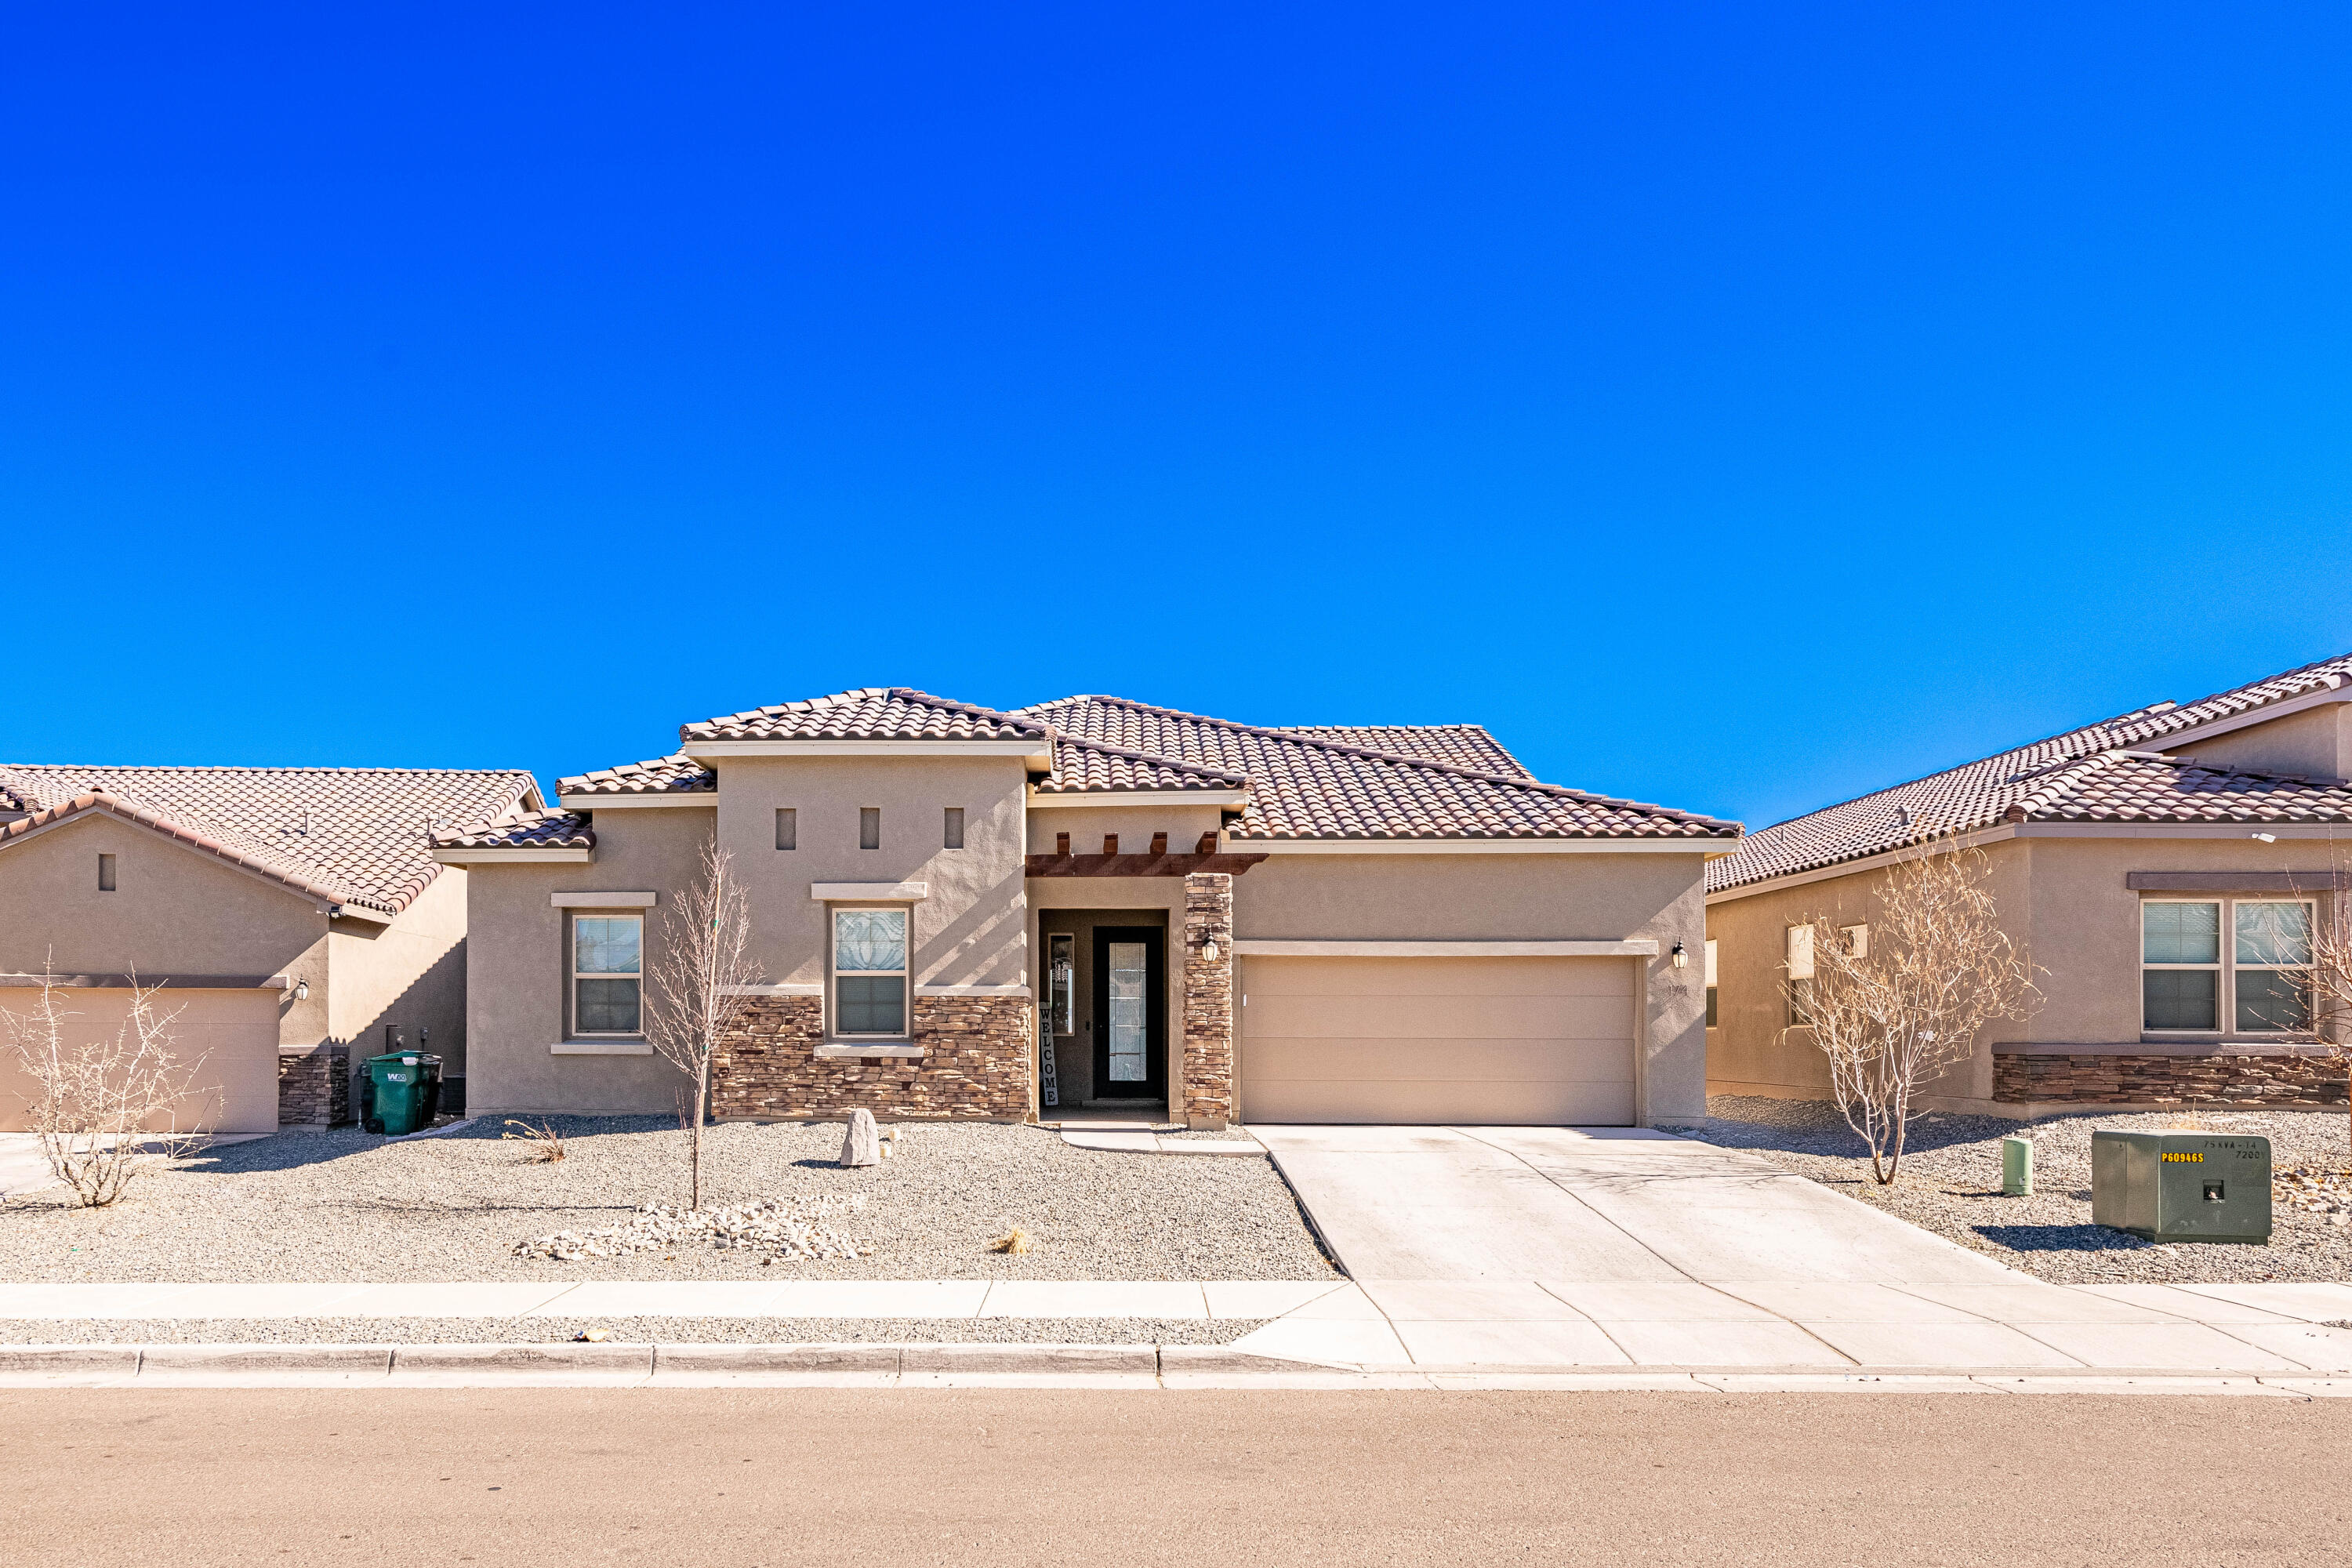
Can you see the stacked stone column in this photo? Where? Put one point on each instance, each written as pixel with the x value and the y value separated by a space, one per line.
pixel 1208 999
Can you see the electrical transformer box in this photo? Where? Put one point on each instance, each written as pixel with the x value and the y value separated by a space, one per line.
pixel 2182 1186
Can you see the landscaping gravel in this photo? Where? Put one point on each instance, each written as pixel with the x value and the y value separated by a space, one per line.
pixel 1949 1182
pixel 629 1331
pixel 346 1206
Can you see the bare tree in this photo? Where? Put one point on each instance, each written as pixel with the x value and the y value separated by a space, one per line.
pixel 1896 1003
pixel 701 968
pixel 2326 1019
pixel 103 1109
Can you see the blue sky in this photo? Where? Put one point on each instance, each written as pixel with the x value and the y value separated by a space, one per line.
pixel 1732 408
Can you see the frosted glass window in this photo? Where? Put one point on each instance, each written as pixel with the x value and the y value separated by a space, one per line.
pixel 869 963
pixel 1129 1033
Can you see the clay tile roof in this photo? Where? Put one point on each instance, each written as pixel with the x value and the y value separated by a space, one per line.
pixel 1463 745
pixel 1085 767
pixel 356 836
pixel 522 830
pixel 2141 786
pixel 1304 787
pixel 676 774
pixel 1980 793
pixel 872 713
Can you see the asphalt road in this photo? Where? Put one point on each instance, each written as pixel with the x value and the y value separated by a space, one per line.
pixel 554 1476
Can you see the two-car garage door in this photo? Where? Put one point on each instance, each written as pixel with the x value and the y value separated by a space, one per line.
pixel 1479 1041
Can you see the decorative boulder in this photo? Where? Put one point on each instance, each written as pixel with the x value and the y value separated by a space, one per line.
pixel 863 1146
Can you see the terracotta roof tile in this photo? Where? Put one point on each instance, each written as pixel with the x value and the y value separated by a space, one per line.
pixel 523 830
pixel 1304 787
pixel 1463 745
pixel 676 774
pixel 872 713
pixel 352 834
pixel 1979 794
pixel 1085 767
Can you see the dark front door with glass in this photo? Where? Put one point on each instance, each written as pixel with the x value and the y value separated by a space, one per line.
pixel 1131 1012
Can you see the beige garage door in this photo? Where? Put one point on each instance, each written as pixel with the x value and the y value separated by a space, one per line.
pixel 227 1039
pixel 1485 1041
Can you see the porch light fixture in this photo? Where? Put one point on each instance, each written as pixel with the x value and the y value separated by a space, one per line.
pixel 301 991
pixel 1681 958
pixel 1209 950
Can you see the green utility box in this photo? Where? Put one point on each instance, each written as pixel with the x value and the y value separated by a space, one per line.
pixel 2017 1167
pixel 401 1092
pixel 2182 1186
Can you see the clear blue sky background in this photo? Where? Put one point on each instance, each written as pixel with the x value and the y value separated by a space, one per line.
pixel 1736 407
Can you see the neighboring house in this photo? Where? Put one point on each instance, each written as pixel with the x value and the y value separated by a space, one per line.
pixel 291 914
pixel 2159 869
pixel 1329 924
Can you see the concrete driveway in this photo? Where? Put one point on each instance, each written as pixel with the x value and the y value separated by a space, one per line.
pixel 1600 1206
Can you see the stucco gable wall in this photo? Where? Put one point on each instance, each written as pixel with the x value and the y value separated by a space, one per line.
pixel 969 931
pixel 2314 743
pixel 410 973
pixel 1135 825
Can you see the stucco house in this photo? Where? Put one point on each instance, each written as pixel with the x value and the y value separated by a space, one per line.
pixel 963 913
pixel 2160 868
pixel 290 914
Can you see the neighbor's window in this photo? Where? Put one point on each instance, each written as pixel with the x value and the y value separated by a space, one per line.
pixel 954 839
pixel 1710 983
pixel 869 971
pixel 788 831
pixel 105 873
pixel 2191 980
pixel 1799 965
pixel 607 961
pixel 869 827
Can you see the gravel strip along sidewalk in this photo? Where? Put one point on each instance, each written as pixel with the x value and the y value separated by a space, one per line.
pixel 1949 1182
pixel 346 1206
pixel 732 1330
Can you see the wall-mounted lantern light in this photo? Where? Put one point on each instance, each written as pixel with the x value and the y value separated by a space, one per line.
pixel 1681 958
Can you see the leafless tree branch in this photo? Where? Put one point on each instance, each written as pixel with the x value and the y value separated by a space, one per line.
pixel 700 967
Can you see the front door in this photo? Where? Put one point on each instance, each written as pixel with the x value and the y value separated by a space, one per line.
pixel 1131 1012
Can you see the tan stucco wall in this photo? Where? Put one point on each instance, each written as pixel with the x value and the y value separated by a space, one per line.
pixel 175 910
pixel 2063 899
pixel 226 1042
pixel 516 972
pixel 1504 898
pixel 410 973
pixel 1135 825
pixel 967 931
pixel 2314 743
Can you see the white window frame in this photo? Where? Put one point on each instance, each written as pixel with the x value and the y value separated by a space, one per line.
pixel 571 962
pixel 834 972
pixel 2225 967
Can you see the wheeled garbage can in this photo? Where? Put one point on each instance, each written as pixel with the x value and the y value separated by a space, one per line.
pixel 401 1092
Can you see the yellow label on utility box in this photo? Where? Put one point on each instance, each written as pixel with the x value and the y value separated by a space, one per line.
pixel 2180 1158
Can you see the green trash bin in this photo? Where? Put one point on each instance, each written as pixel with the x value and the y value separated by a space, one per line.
pixel 401 1092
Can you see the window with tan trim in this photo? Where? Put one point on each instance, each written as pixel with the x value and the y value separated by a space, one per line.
pixel 607 974
pixel 2238 966
pixel 869 973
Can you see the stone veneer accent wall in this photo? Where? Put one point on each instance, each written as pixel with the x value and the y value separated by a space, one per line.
pixel 974 1065
pixel 2239 1081
pixel 1208 999
pixel 314 1089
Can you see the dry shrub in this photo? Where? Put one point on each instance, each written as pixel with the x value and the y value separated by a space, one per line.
pixel 105 1109
pixel 1015 1241
pixel 546 1144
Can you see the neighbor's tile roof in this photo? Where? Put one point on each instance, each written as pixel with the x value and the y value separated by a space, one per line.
pixel 350 835
pixel 2141 786
pixel 1463 745
pixel 1303 787
pixel 1979 794
pixel 873 713
pixel 522 830
pixel 675 774
pixel 1087 767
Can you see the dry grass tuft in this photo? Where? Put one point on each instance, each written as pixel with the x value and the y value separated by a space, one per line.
pixel 1015 1241
pixel 546 1143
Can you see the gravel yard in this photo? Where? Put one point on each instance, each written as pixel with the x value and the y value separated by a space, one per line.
pixel 1949 1182
pixel 627 1330
pixel 346 1206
